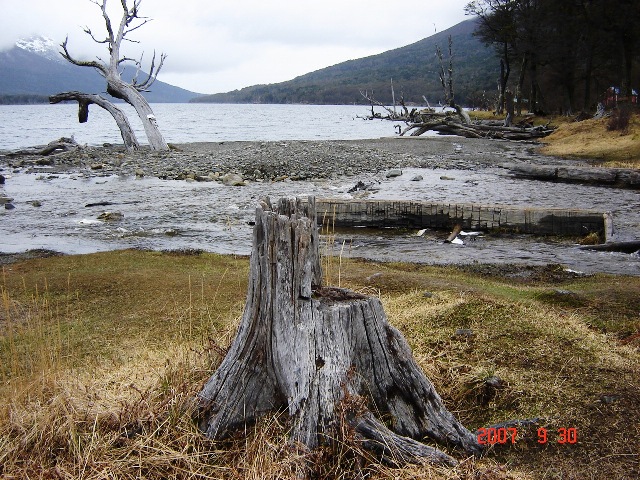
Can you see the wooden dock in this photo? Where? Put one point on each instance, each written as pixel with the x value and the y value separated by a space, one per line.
pixel 418 215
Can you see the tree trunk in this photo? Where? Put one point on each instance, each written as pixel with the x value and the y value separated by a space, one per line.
pixel 534 106
pixel 520 87
pixel 124 91
pixel 508 100
pixel 86 99
pixel 320 350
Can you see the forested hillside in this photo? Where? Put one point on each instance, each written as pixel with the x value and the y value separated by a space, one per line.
pixel 413 68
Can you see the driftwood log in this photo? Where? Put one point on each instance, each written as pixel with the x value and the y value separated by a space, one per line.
pixel 619 177
pixel 317 351
pixel 63 144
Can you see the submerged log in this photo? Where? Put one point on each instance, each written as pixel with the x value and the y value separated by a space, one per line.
pixel 317 351
pixel 621 247
pixel 619 177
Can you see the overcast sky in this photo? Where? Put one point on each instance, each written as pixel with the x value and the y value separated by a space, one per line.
pixel 216 46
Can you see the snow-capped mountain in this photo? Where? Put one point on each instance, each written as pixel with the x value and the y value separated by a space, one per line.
pixel 34 69
pixel 43 46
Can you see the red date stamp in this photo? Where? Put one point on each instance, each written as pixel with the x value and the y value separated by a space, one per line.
pixel 501 436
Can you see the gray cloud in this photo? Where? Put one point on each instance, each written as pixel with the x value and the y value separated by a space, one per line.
pixel 220 46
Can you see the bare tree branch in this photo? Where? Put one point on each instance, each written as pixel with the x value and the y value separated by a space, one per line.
pixel 107 22
pixel 369 97
pixel 153 73
pixel 85 99
pixel 81 63
pixel 88 31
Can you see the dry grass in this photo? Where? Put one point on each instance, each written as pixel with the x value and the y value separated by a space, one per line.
pixel 101 357
pixel 592 139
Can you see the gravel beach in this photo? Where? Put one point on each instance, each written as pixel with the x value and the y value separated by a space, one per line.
pixel 268 161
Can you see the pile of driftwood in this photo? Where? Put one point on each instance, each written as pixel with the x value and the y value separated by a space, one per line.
pixel 455 121
pixel 450 123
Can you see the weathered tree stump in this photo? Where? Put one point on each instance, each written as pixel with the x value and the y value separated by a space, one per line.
pixel 320 350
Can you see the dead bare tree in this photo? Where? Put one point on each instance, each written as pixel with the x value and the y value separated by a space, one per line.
pixel 446 79
pixel 130 92
pixel 391 113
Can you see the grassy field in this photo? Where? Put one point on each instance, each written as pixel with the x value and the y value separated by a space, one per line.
pixel 593 139
pixel 101 356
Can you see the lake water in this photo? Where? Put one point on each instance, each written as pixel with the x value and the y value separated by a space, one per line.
pixel 28 125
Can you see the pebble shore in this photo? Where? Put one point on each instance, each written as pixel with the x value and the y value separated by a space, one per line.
pixel 273 161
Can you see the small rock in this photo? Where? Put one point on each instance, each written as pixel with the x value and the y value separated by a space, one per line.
pixel 281 178
pixel 494 382
pixel 464 333
pixel 417 178
pixel 9 206
pixel 233 180
pixel 2 179
pixel 4 200
pixel 374 276
pixel 444 177
pixel 111 216
pixel 45 162
pixel 35 203
pixel 139 173
pixel 609 398
pixel 96 166
pixel 361 194
pixel 358 186
pixel 428 295
pixel 564 293
pixel 394 173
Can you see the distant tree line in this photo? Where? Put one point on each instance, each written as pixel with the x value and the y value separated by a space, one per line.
pixel 24 99
pixel 563 55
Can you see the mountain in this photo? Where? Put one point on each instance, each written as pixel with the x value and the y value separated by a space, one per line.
pixel 413 68
pixel 33 69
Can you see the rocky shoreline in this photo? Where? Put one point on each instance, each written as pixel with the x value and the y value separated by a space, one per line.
pixel 69 215
pixel 238 162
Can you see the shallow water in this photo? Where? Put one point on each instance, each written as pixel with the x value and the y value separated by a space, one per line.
pixel 161 214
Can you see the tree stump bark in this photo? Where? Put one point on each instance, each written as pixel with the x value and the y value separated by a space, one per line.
pixel 319 351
